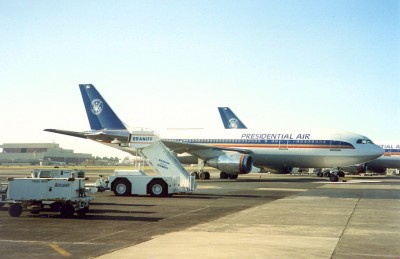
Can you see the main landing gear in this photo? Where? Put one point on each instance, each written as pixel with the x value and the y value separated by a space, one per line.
pixel 201 175
pixel 332 174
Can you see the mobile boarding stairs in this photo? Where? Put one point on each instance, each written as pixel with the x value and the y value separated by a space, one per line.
pixel 172 178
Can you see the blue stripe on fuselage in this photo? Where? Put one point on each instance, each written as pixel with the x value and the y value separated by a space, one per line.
pixel 263 143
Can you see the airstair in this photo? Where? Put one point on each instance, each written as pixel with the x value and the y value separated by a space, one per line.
pixel 161 160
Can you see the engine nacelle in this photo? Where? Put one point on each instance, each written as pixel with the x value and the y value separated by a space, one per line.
pixel 232 163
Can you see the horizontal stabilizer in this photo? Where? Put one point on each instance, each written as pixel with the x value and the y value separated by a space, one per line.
pixel 67 132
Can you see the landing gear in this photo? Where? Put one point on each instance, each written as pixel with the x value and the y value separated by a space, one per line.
pixel 334 178
pixel 201 175
pixel 335 174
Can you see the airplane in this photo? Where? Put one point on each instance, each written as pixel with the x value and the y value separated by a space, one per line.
pixel 390 158
pixel 233 152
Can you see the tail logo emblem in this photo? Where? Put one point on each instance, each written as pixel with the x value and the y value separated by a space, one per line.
pixel 97 106
pixel 233 123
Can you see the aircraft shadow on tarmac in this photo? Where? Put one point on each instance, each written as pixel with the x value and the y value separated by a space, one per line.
pixel 95 216
pixel 215 196
pixel 120 204
pixel 284 180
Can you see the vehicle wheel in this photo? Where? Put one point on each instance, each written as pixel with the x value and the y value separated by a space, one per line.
pixel 15 210
pixel 67 210
pixel 202 176
pixel 55 206
pixel 333 178
pixel 82 212
pixel 341 174
pixel 223 175
pixel 122 187
pixel 35 210
pixel 233 176
pixel 319 174
pixel 207 175
pixel 158 188
pixel 195 174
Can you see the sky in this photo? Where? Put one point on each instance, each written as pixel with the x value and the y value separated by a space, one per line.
pixel 169 64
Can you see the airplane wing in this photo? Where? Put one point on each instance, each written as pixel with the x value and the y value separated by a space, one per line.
pixel 107 136
pixel 199 150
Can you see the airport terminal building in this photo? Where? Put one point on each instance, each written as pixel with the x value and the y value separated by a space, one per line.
pixel 40 153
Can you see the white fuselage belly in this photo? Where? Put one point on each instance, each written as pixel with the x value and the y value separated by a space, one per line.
pixel 307 157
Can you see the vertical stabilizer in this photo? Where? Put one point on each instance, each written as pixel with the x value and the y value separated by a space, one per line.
pixel 230 120
pixel 99 113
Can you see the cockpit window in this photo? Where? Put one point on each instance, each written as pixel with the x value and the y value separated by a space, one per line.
pixel 364 141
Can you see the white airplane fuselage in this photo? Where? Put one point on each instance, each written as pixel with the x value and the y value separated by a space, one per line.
pixel 296 149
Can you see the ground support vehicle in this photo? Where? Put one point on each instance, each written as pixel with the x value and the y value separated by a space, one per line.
pixel 171 177
pixel 66 195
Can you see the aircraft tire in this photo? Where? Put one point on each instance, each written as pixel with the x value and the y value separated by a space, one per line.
pixel 334 178
pixel 233 176
pixel 15 210
pixel 207 175
pixel 202 175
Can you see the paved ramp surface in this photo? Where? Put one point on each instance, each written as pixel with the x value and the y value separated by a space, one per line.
pixel 352 220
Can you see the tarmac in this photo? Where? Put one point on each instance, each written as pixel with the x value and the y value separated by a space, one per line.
pixel 354 219
pixel 257 216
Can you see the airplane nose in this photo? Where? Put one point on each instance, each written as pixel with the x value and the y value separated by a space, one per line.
pixel 378 151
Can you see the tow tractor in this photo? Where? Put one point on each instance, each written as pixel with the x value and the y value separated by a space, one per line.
pixel 171 177
pixel 66 195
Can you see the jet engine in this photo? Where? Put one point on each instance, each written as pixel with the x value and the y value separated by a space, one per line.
pixel 232 163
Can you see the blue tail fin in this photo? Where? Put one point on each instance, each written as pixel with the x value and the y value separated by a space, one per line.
pixel 230 120
pixel 99 113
